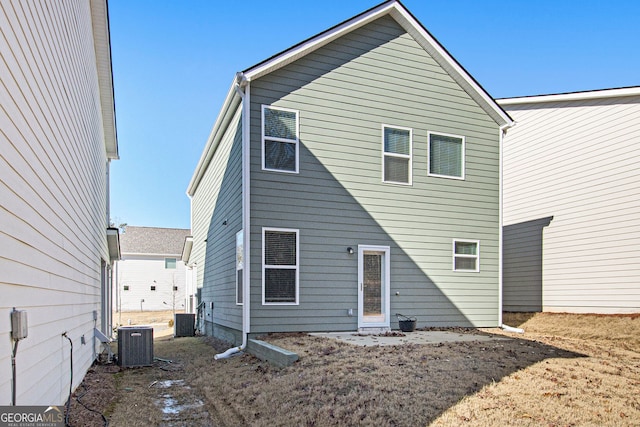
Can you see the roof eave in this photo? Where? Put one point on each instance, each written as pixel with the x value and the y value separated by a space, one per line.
pixel 573 96
pixel 102 46
pixel 229 107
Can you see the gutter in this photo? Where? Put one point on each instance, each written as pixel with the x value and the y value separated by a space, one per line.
pixel 242 88
pixel 503 132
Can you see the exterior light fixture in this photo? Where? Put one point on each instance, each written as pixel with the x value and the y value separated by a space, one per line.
pixel 350 250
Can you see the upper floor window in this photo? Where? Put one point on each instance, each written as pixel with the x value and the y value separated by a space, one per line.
pixel 446 155
pixel 396 161
pixel 280 139
pixel 170 263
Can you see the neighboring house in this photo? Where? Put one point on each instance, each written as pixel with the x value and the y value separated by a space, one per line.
pixel 572 202
pixel 150 275
pixel 351 177
pixel 57 138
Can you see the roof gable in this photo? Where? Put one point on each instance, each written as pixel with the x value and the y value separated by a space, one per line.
pixel 413 27
pixel 400 14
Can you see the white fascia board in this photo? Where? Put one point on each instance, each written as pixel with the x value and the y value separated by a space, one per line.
pixel 102 48
pixel 226 114
pixel 186 249
pixel 414 28
pixel 314 43
pixel 573 96
pixel 446 61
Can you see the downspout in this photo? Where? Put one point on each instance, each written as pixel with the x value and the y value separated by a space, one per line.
pixel 243 90
pixel 503 132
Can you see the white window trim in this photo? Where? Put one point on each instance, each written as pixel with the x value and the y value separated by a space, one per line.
pixel 297 266
pixel 239 266
pixel 464 155
pixel 476 256
pixel 400 156
pixel 295 141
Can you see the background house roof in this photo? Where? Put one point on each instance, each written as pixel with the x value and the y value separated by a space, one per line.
pixel 152 240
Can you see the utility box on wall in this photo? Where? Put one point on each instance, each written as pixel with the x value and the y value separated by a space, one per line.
pixel 184 325
pixel 135 346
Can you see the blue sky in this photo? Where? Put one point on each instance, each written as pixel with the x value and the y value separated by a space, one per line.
pixel 173 62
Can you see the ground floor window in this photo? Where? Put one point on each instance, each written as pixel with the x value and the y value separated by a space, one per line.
pixel 280 275
pixel 466 255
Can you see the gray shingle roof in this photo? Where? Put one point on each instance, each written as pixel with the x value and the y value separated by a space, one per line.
pixel 152 240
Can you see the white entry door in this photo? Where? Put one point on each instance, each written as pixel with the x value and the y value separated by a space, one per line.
pixel 373 286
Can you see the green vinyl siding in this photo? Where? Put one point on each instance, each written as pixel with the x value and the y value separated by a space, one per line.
pixel 218 199
pixel 376 75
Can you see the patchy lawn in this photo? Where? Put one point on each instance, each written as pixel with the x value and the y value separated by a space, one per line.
pixel 565 370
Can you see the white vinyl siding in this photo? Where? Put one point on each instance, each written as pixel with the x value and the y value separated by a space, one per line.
pixel 53 193
pixel 138 272
pixel 280 266
pixel 574 163
pixel 280 151
pixel 396 155
pixel 466 255
pixel 446 155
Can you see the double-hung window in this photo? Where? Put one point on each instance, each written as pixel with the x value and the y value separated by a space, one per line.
pixel 280 151
pixel 466 255
pixel 446 155
pixel 396 157
pixel 280 266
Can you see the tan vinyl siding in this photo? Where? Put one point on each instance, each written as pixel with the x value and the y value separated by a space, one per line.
pixel 344 92
pixel 53 192
pixel 576 161
pixel 219 198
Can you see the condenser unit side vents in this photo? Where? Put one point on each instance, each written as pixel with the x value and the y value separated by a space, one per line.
pixel 135 346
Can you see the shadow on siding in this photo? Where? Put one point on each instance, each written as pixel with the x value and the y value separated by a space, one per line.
pixel 522 265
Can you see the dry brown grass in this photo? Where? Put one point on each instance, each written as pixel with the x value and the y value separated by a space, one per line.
pixel 567 370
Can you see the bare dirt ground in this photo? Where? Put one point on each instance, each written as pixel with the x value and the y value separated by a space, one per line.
pixel 566 370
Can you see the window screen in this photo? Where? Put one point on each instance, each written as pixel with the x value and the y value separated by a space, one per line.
pixel 280 266
pixel 446 156
pixel 465 256
pixel 279 139
pixel 397 155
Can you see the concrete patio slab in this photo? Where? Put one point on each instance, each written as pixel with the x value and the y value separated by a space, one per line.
pixel 416 337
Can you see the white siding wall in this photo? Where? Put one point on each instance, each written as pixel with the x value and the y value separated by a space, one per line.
pixel 578 162
pixel 139 273
pixel 53 212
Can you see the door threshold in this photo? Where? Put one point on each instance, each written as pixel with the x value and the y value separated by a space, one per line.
pixel 374 330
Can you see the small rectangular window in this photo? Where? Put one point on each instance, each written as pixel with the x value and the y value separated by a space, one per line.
pixel 466 255
pixel 280 266
pixel 153 288
pixel 126 287
pixel 170 263
pixel 396 158
pixel 280 139
pixel 239 265
pixel 446 155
